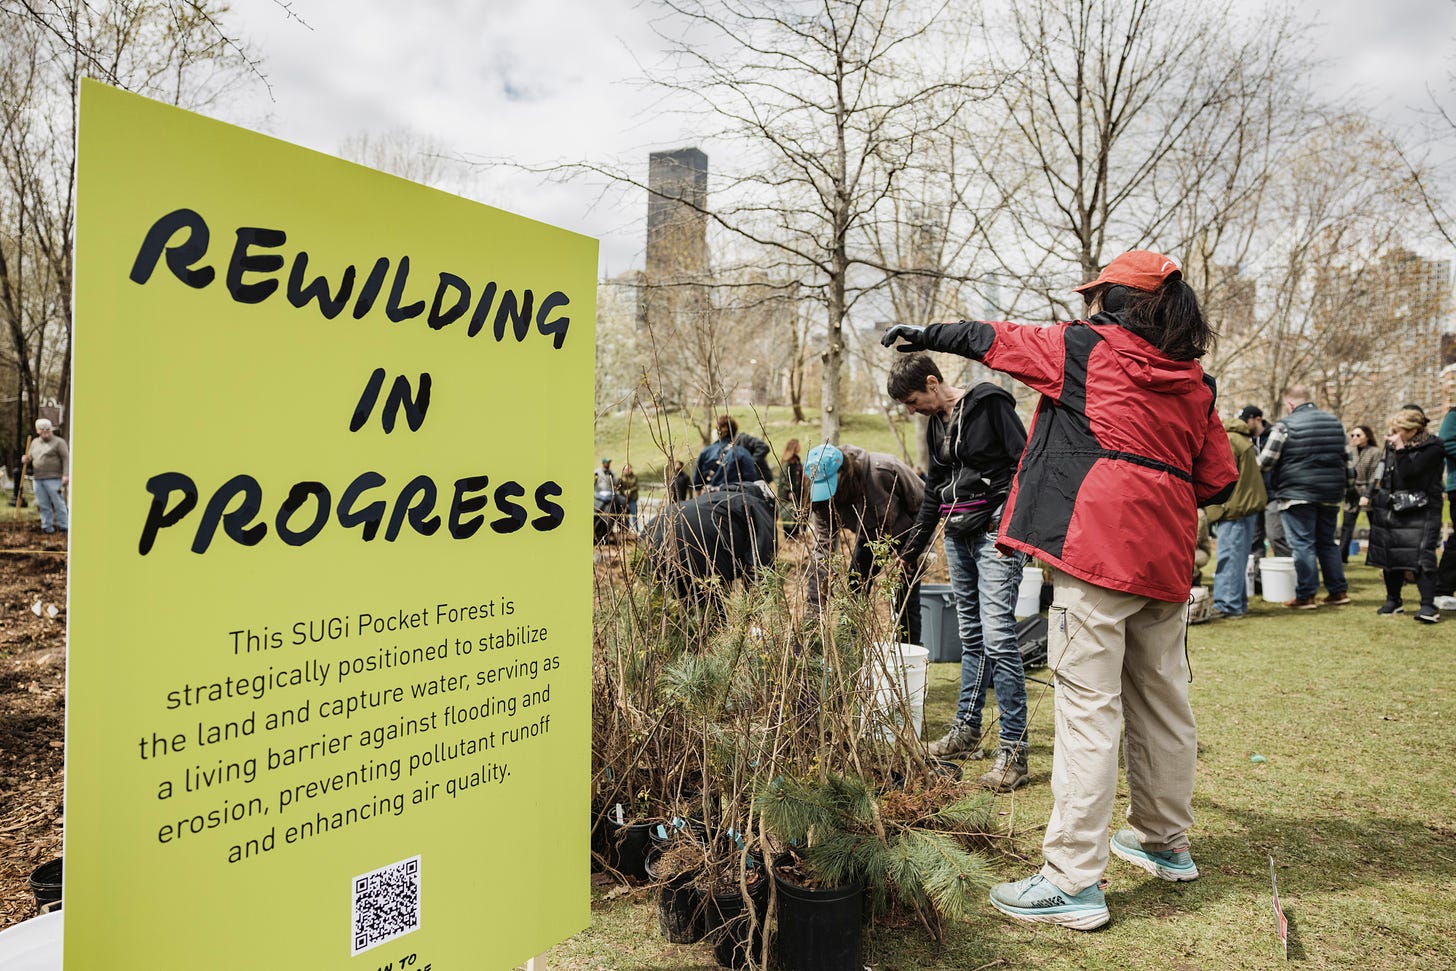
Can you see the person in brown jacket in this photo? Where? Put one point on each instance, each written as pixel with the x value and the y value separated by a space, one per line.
pixel 875 496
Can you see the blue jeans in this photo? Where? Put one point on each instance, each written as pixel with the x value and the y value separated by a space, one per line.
pixel 52 507
pixel 1310 529
pixel 1230 573
pixel 984 584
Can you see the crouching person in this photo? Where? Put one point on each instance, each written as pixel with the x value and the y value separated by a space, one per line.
pixel 875 496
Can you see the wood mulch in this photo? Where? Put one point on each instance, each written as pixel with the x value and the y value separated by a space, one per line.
pixel 32 709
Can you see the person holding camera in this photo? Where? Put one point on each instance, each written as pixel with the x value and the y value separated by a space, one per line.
pixel 1405 513
pixel 974 439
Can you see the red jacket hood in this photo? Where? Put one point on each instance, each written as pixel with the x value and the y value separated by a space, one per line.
pixel 1145 365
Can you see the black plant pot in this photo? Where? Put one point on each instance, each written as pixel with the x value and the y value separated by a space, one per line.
pixel 45 883
pixel 598 840
pixel 818 930
pixel 951 770
pixel 735 938
pixel 627 846
pixel 680 906
pixel 942 767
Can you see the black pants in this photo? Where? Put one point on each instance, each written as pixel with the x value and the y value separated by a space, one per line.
pixel 1425 584
pixel 1347 531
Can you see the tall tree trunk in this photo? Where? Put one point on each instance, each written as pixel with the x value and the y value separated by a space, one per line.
pixel 838 274
pixel 834 349
pixel 796 368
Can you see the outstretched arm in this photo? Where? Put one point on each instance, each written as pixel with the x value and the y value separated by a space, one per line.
pixel 1033 355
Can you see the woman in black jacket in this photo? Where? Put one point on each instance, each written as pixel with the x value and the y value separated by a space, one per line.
pixel 1367 455
pixel 1405 513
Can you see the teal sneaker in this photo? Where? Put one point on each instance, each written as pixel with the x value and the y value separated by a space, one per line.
pixel 1037 900
pixel 1167 864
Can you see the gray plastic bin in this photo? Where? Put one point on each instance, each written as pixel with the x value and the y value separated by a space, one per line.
pixel 939 627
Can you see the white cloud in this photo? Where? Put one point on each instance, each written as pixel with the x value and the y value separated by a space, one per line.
pixel 552 80
pixel 544 81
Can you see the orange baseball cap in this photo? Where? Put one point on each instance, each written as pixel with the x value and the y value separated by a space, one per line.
pixel 1140 269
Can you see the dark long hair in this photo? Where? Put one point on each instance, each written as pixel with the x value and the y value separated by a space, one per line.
pixel 1169 319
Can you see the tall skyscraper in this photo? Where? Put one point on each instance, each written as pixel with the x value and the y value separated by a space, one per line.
pixel 677 229
pixel 676 310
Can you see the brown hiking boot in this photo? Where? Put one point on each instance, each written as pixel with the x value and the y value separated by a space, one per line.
pixel 1337 599
pixel 1009 771
pixel 961 742
pixel 1302 603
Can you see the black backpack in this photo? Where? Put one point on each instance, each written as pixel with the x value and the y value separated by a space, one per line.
pixel 758 448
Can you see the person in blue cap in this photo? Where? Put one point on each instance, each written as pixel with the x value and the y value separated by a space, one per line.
pixel 876 497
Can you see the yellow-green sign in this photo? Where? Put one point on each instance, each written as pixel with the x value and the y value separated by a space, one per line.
pixel 330 623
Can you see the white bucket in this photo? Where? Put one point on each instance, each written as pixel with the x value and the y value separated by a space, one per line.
pixel 897 677
pixel 1028 595
pixel 33 945
pixel 1277 575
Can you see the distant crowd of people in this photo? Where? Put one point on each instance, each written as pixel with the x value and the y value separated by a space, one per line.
pixel 1300 473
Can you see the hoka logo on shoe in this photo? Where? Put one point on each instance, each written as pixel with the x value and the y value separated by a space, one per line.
pixel 1053 901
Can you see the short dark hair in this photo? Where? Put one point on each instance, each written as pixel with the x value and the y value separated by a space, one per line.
pixel 727 427
pixel 908 374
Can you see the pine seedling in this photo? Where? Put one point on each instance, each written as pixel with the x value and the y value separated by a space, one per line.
pixel 932 866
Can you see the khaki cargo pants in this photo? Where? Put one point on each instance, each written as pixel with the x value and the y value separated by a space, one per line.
pixel 1117 658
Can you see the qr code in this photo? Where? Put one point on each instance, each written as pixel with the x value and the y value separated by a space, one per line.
pixel 386 904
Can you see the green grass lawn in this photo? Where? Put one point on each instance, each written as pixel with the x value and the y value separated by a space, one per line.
pixel 1356 803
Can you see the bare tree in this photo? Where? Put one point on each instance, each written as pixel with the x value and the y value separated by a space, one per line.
pixel 820 106
pixel 197 30
pixel 1338 294
pixel 409 155
pixel 1113 112
pixel 930 233
pixel 169 51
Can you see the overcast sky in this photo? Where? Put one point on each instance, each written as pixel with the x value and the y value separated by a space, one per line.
pixel 552 80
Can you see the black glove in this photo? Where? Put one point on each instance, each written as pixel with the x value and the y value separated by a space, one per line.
pixel 913 338
pixel 1352 497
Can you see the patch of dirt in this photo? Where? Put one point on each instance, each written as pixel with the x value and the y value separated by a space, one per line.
pixel 32 709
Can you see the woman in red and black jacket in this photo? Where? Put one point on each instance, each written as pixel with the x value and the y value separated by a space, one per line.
pixel 1125 446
